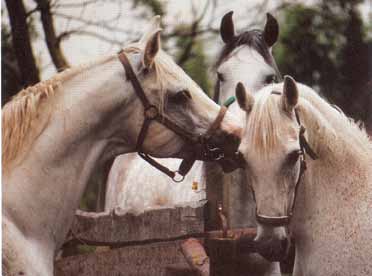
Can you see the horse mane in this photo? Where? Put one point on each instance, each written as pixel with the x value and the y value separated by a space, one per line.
pixel 253 39
pixel 27 114
pixel 330 132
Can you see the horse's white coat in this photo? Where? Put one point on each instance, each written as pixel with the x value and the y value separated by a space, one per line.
pixel 96 116
pixel 332 222
pixel 136 186
pixel 125 189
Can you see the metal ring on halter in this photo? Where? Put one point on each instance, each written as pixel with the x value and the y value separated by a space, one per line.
pixel 177 174
pixel 151 112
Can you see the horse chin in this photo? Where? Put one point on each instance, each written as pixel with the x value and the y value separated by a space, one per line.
pixel 274 250
pixel 272 244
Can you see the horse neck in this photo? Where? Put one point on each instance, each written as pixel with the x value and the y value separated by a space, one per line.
pixel 343 170
pixel 81 133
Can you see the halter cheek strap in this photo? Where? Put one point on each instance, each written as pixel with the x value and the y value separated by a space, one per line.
pixel 151 113
pixel 305 149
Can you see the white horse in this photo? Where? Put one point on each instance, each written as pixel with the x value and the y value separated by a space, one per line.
pixel 57 133
pixel 247 58
pixel 326 207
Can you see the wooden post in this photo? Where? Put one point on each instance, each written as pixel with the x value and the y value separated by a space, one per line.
pixel 214 192
pixel 222 256
pixel 196 256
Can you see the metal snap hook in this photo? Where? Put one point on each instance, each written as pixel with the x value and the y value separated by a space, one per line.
pixel 178 177
pixel 215 153
pixel 220 156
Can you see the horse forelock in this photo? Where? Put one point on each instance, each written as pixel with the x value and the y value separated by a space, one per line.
pixel 263 125
pixel 252 39
pixel 330 132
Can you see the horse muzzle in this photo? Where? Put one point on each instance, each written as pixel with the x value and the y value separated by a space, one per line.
pixel 273 221
pixel 222 148
pixel 274 250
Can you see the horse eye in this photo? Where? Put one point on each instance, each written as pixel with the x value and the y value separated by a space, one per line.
pixel 292 158
pixel 270 79
pixel 220 77
pixel 181 96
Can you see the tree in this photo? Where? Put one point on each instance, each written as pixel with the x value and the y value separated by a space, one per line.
pixel 325 47
pixel 22 42
pixel 53 42
pixel 191 57
pixel 10 74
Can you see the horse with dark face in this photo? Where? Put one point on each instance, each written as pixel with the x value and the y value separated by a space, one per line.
pixel 57 133
pixel 246 58
pixel 315 185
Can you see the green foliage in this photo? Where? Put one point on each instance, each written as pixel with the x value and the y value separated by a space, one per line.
pixel 155 6
pixel 325 46
pixel 196 63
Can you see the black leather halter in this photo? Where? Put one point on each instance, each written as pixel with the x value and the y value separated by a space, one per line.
pixel 151 113
pixel 304 149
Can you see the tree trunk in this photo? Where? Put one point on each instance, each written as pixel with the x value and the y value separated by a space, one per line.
pixel 22 42
pixel 52 41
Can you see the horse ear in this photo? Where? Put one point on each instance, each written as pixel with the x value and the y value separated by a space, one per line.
pixel 245 100
pixel 151 28
pixel 227 29
pixel 290 94
pixel 151 49
pixel 271 30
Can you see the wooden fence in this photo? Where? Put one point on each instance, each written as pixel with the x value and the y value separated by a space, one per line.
pixel 147 244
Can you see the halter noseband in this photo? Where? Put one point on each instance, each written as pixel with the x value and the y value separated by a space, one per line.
pixel 304 149
pixel 152 113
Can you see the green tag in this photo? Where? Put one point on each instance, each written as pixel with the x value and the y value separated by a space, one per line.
pixel 229 101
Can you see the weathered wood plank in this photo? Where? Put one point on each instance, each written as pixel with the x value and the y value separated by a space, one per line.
pixel 121 228
pixel 196 256
pixel 139 260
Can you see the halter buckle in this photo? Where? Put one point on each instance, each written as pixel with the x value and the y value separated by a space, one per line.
pixel 151 112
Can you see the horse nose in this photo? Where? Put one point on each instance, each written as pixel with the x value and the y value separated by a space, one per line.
pixel 228 141
pixel 284 244
pixel 232 125
pixel 233 131
pixel 273 250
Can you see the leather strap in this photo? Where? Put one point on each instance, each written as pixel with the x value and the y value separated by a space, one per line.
pixel 217 122
pixel 305 149
pixel 131 76
pixel 151 113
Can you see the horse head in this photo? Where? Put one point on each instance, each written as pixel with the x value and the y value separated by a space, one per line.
pixel 246 58
pixel 185 119
pixel 273 148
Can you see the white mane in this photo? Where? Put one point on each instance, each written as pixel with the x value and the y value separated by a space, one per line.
pixel 329 131
pixel 27 114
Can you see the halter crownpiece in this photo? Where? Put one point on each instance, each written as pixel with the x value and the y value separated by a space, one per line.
pixel 152 113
